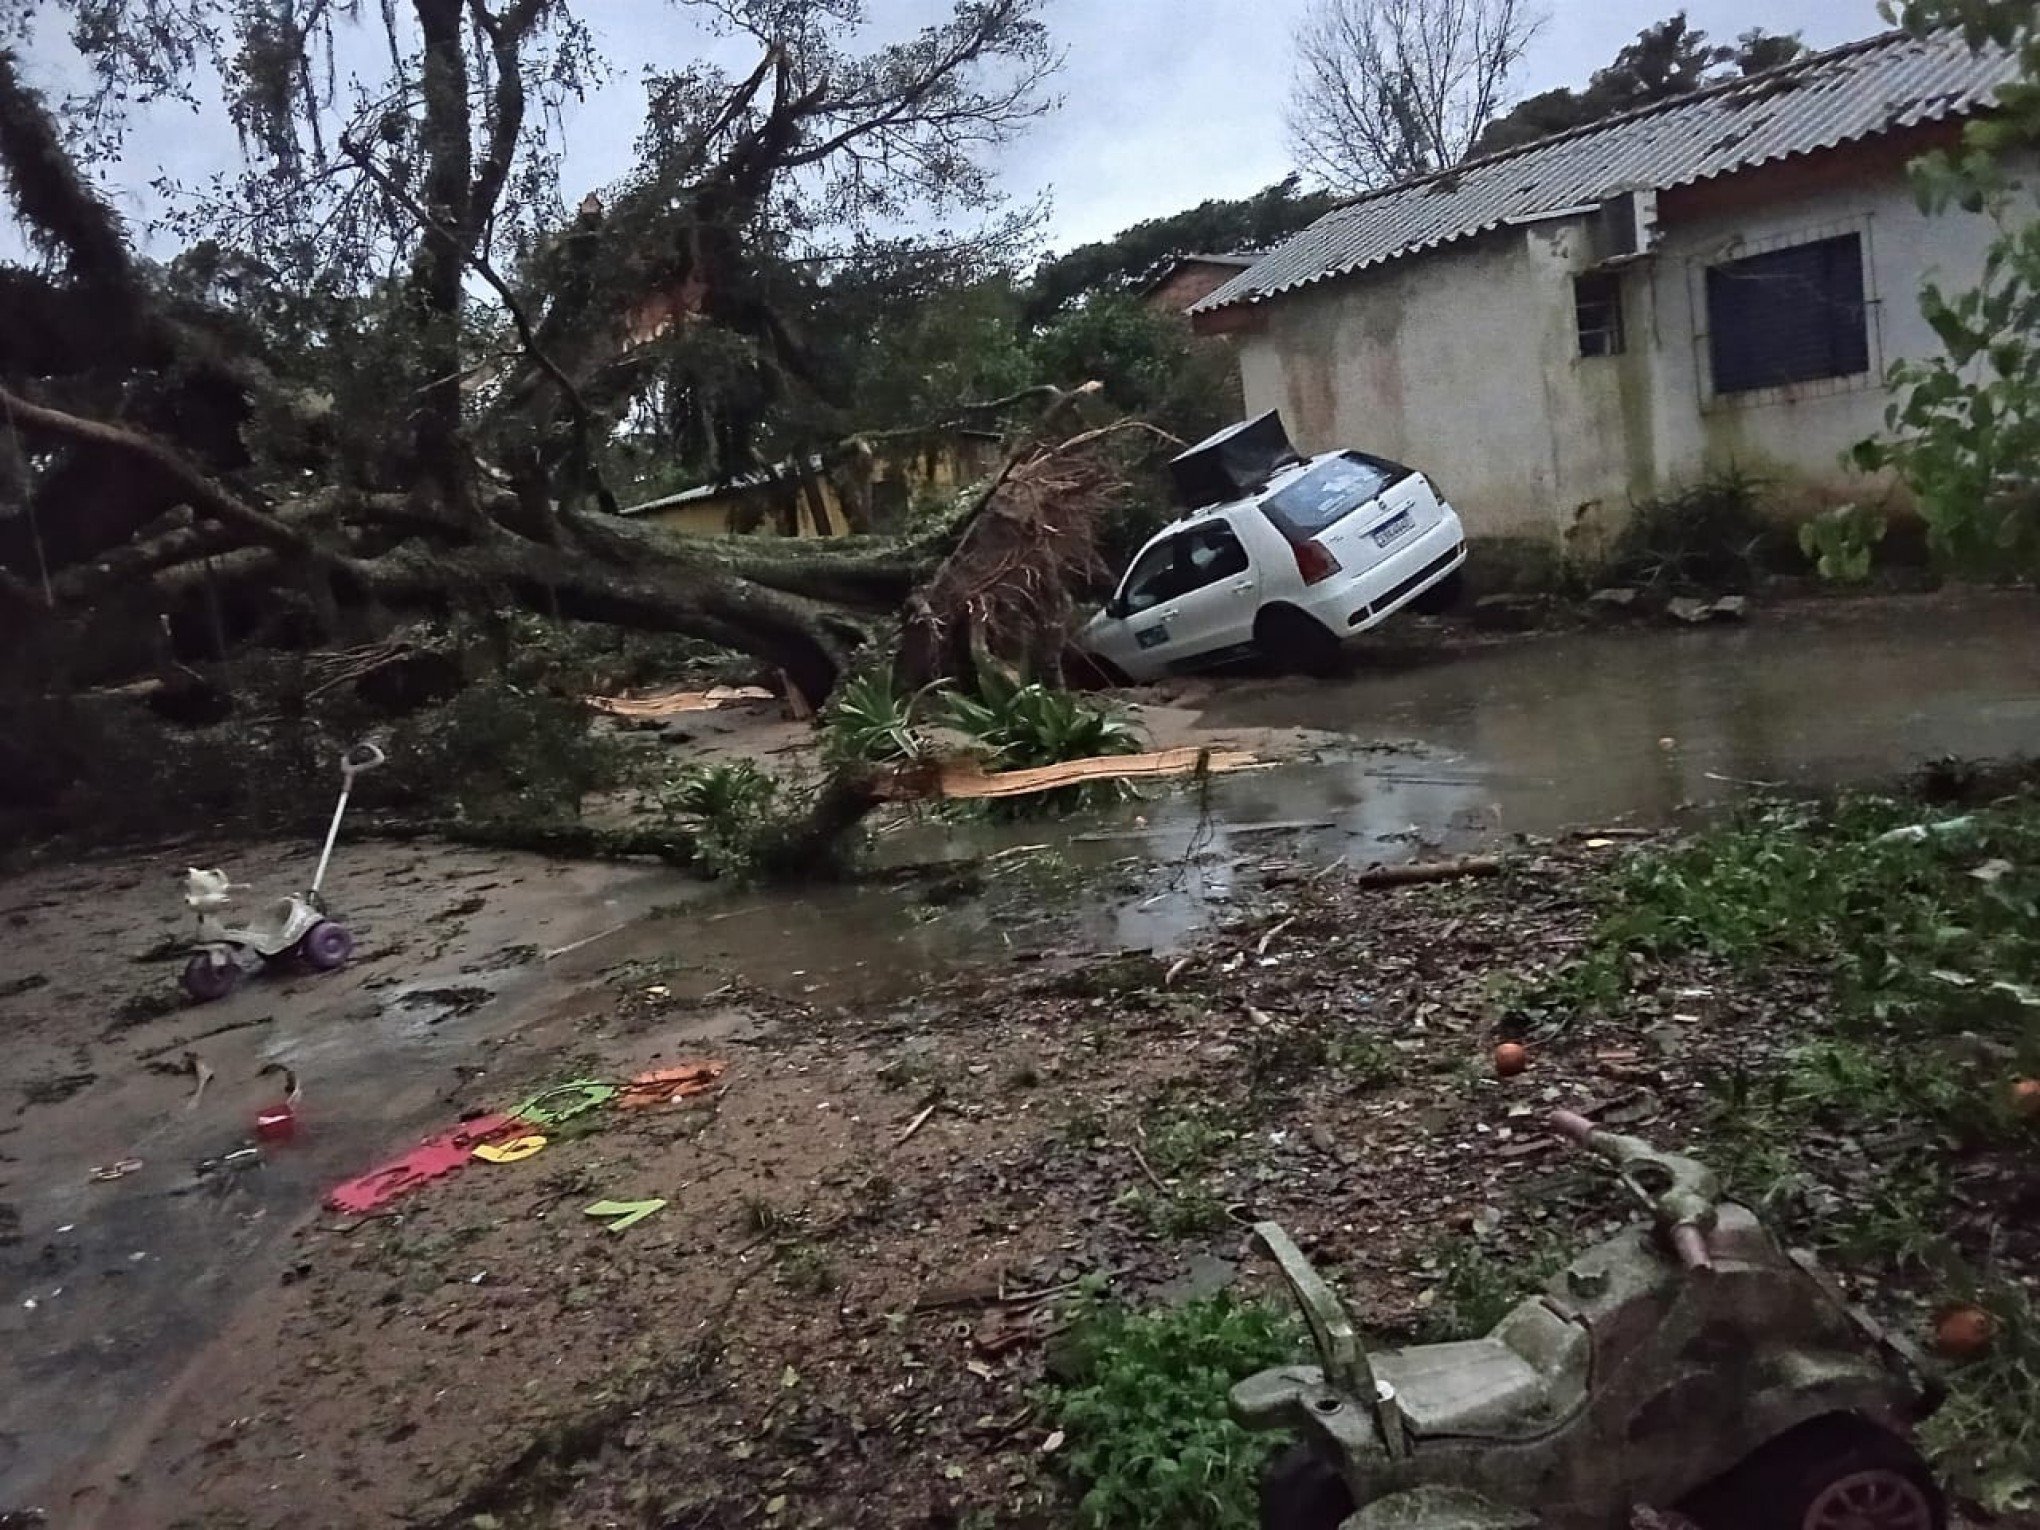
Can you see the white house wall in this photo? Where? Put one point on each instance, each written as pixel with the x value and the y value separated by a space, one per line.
pixel 1435 362
pixel 1465 362
pixel 1798 434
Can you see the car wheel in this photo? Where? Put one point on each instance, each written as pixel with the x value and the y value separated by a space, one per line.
pixel 1288 638
pixel 1301 1491
pixel 1840 1473
pixel 1442 596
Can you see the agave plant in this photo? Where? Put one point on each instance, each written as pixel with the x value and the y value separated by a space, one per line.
pixel 868 720
pixel 1031 724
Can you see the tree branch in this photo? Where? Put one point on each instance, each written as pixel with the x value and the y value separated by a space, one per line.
pixel 205 494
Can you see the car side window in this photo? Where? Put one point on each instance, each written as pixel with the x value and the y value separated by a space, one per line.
pixel 1153 579
pixel 1214 553
pixel 1187 561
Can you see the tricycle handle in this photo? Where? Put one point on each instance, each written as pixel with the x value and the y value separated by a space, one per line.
pixel 1680 1192
pixel 360 757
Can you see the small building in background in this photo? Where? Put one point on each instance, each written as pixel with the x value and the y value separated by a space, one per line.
pixel 1189 279
pixel 1568 329
pixel 869 491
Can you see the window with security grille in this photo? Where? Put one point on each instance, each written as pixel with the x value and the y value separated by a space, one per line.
pixel 1597 305
pixel 1790 315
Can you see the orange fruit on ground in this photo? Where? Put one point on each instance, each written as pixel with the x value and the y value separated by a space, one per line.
pixel 2026 1096
pixel 1511 1058
pixel 1964 1332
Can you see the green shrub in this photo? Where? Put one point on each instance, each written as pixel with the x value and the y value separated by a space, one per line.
pixel 733 808
pixel 499 750
pixel 1714 535
pixel 1141 1401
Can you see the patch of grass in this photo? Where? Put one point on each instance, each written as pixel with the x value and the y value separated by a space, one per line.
pixel 1182 1135
pixel 1847 1127
pixel 803 1268
pixel 760 1218
pixel 1141 1400
pixel 1186 1211
pixel 1367 1062
pixel 1477 1286
pixel 1985 1439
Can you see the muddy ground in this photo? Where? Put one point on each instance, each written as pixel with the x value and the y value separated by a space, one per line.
pixel 832 1322
pixel 1116 1044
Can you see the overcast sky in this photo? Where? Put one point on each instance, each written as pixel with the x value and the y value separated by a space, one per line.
pixel 1165 102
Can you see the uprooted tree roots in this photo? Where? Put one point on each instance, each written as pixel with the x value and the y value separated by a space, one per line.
pixel 1007 586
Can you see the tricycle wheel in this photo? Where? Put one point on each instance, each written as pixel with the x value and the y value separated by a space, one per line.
pixel 1836 1473
pixel 206 979
pixel 326 945
pixel 1301 1491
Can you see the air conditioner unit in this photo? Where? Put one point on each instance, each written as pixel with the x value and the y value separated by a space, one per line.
pixel 1629 225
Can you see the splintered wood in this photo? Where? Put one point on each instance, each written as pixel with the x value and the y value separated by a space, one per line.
pixel 967 778
pixel 672 703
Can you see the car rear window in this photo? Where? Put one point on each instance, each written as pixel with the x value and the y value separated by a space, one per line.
pixel 1328 492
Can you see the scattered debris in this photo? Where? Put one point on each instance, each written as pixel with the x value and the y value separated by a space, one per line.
pixel 1429 871
pixel 669 1086
pixel 625 1213
pixel 199 1071
pixel 563 1102
pixel 969 779
pixel 118 1169
pixel 672 703
pixel 431 1159
pixel 917 1123
pixel 515 1150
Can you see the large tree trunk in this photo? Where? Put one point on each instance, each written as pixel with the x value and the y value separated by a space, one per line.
pixel 434 295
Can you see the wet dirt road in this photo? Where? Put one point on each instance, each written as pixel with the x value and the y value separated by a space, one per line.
pixel 109 1290
pixel 1420 754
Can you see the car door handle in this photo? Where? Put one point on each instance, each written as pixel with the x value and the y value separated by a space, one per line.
pixel 1243 586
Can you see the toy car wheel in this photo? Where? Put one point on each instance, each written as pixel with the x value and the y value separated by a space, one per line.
pixel 1835 1474
pixel 1288 637
pixel 206 979
pixel 326 945
pixel 1300 1491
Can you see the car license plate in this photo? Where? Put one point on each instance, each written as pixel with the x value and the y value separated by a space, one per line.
pixel 1394 529
pixel 1152 637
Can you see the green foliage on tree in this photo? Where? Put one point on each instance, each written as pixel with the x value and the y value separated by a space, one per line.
pixel 1963 429
pixel 1672 58
pixel 1136 254
pixel 1149 362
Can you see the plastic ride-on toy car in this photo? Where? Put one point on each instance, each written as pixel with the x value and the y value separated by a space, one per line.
pixel 1692 1365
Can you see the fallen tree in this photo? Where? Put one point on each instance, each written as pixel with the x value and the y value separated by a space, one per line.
pixel 177 481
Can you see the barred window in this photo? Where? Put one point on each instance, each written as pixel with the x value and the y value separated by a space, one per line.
pixel 1789 315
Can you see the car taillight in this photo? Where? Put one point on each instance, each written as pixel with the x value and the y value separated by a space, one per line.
pixel 1314 561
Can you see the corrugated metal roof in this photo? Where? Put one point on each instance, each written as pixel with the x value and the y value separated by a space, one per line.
pixel 1890 81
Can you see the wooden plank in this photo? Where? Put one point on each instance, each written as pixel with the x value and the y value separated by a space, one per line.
pixel 966 778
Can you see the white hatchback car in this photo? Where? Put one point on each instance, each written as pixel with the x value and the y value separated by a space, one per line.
pixel 1280 555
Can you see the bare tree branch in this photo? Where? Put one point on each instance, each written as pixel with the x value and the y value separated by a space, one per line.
pixel 1388 89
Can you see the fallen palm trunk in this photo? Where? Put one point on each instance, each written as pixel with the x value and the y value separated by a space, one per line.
pixel 969 779
pixel 1429 871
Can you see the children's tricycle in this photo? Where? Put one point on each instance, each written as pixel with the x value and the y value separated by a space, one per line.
pixel 1691 1366
pixel 289 926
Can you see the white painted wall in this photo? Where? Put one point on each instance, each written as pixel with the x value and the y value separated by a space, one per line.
pixel 1465 362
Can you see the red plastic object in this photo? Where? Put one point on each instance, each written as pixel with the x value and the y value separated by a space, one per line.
pixel 432 1158
pixel 275 1123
